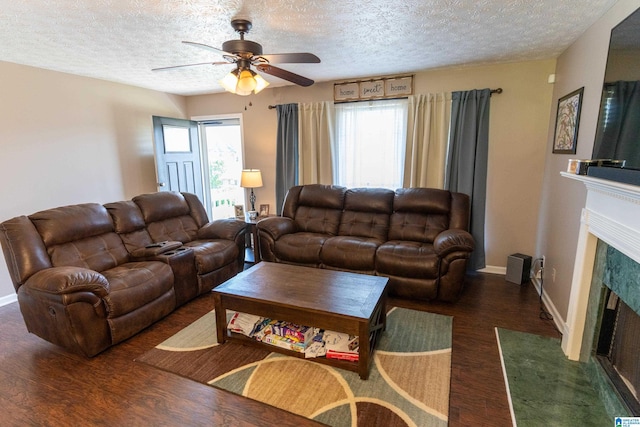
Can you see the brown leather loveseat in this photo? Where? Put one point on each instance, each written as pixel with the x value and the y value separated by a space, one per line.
pixel 89 276
pixel 418 237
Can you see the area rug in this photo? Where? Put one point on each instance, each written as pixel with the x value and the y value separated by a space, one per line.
pixel 544 387
pixel 408 383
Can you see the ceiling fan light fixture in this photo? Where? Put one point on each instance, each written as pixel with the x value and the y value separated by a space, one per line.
pixel 243 82
pixel 260 83
pixel 230 81
pixel 246 82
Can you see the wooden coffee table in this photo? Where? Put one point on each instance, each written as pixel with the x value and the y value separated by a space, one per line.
pixel 334 300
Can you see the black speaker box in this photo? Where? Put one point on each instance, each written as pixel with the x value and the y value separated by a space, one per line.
pixel 518 268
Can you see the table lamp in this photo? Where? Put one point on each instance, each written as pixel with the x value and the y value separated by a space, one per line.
pixel 251 178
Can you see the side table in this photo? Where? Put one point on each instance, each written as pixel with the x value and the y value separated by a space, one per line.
pixel 252 255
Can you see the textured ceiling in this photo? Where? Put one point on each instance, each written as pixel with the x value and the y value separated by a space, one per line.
pixel 122 40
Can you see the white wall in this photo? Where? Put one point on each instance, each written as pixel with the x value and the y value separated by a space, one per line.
pixel 517 138
pixel 68 139
pixel 581 65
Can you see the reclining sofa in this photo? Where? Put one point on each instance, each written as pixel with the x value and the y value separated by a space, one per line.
pixel 89 276
pixel 418 237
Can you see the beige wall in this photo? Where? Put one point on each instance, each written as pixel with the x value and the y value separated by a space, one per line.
pixel 582 64
pixel 518 136
pixel 68 139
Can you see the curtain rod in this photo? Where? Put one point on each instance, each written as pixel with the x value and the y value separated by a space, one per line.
pixel 498 90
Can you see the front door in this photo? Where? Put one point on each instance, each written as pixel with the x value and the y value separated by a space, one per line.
pixel 177 152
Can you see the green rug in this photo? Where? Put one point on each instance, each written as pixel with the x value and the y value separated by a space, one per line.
pixel 408 383
pixel 546 388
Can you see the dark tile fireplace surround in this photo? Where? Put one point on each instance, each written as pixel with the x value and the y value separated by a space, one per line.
pixel 613 324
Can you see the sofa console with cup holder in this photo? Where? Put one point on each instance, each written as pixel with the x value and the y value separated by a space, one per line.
pixel 89 276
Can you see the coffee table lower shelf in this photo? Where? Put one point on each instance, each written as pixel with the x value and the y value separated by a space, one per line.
pixel 347 365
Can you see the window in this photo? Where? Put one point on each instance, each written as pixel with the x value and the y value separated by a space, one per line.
pixel 370 143
pixel 222 143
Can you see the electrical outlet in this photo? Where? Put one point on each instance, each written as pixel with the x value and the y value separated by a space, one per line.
pixel 553 275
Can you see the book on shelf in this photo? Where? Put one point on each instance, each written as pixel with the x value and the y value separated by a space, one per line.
pixel 284 342
pixel 245 324
pixel 341 346
pixel 343 355
pixel 313 342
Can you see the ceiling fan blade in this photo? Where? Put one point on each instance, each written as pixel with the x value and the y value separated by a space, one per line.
pixel 292 58
pixel 189 65
pixel 215 49
pixel 284 74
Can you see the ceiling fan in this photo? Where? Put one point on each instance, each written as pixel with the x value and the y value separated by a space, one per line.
pixel 245 53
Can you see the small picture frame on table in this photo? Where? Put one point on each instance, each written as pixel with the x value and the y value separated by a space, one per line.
pixel 239 209
pixel 264 210
pixel 567 123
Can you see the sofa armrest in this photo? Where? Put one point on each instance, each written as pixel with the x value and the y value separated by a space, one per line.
pixel 228 229
pixel 68 280
pixel 453 240
pixel 277 226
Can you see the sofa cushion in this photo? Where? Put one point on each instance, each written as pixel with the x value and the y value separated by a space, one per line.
pixel 211 255
pixel 81 236
pixel 167 215
pixel 420 214
pixel 416 227
pixel 350 253
pixel 315 208
pixel 366 213
pixel 135 284
pixel 129 224
pixel 407 259
pixel 302 248
pixel 182 229
pixel 69 223
pixel 97 253
pixel 161 205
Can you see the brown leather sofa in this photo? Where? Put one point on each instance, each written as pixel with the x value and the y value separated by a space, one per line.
pixel 89 276
pixel 418 237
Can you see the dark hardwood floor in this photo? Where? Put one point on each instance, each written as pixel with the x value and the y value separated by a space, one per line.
pixel 43 385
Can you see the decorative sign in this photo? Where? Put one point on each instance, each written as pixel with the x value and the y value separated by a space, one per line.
pixel 373 89
pixel 398 87
pixel 346 92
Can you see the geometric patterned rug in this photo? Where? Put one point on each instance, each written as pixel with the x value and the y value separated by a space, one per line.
pixel 408 383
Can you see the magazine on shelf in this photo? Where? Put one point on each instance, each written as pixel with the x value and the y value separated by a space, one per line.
pixel 313 342
pixel 245 324
pixel 341 346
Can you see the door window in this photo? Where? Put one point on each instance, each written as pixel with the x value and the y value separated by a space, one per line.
pixel 222 142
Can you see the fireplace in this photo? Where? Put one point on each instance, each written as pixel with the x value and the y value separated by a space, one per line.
pixel 618 341
pixel 609 227
pixel 618 348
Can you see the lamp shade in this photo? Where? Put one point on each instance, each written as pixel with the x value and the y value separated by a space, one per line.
pixel 251 178
pixel 243 82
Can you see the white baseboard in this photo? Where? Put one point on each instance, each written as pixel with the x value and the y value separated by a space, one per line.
pixel 553 311
pixel 8 299
pixel 492 269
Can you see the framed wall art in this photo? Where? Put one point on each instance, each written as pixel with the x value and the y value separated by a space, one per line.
pixel 567 122
pixel 239 209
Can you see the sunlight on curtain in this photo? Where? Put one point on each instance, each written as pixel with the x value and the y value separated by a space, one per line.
pixel 370 143
pixel 427 137
pixel 315 130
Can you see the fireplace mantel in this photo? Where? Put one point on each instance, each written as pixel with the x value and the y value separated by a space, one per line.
pixel 611 214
